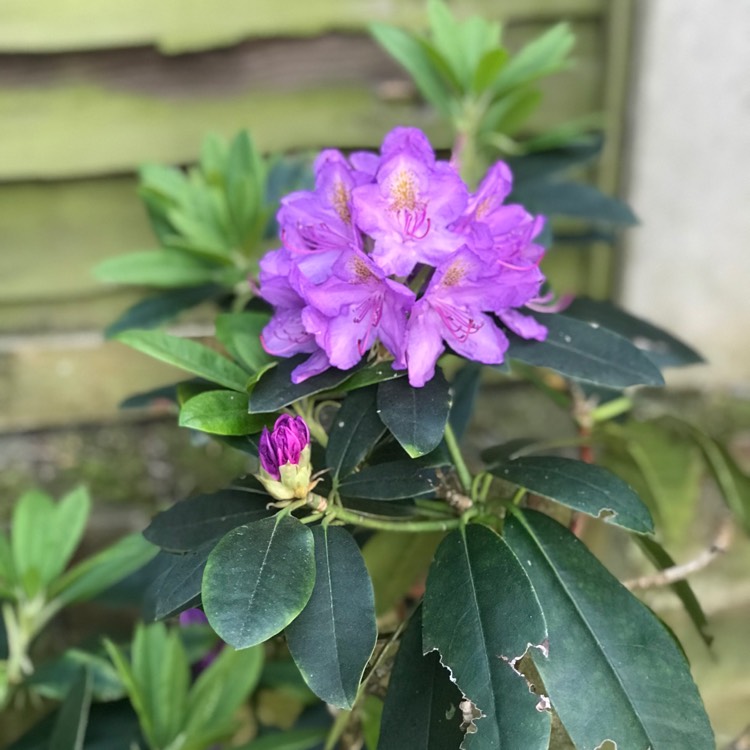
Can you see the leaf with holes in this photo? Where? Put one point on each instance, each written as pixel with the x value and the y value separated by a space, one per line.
pixel 584 487
pixel 258 579
pixel 334 635
pixel 495 611
pixel 637 691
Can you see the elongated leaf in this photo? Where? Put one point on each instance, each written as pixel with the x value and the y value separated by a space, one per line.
pixel 72 718
pixel 582 352
pixel 275 389
pixel 370 375
pixel 240 334
pixel 663 349
pixel 294 739
pixel 465 387
pixel 192 522
pixel 407 50
pixel 164 268
pixel 188 355
pixel 416 416
pixel 584 487
pixel 421 707
pixel 97 573
pixel 220 413
pixel 637 690
pixel 575 199
pixel 498 623
pixel 178 587
pixel 258 579
pixel 682 589
pixel 165 395
pixel 395 480
pixel 161 308
pixel 542 164
pixel 356 429
pixel 341 606
pixel 395 561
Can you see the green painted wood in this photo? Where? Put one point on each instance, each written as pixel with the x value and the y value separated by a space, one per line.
pixel 85 115
pixel 182 25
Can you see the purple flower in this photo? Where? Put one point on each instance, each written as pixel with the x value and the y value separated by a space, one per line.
pixel 284 444
pixel 390 253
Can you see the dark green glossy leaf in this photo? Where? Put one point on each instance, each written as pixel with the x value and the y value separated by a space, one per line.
pixel 258 579
pixel 682 589
pixel 161 308
pixel 240 334
pixel 584 487
pixel 464 387
pixel 501 454
pixel 164 268
pixel 178 586
pixel 395 480
pixel 221 413
pixel 477 583
pixel 69 730
pixel 356 428
pixel 582 352
pixel 163 395
pixel 188 355
pixel 542 164
pixel 663 349
pixel 416 416
pixel 574 199
pixel 395 561
pixel 275 389
pixel 333 637
pixel 637 690
pixel 421 706
pixel 372 374
pixel 192 522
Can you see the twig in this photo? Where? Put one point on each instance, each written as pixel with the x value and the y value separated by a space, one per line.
pixel 676 573
pixel 742 742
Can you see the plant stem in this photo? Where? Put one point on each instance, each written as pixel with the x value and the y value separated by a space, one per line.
pixel 463 472
pixel 352 517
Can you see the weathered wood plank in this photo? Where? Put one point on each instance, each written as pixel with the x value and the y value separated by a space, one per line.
pixel 83 115
pixel 183 25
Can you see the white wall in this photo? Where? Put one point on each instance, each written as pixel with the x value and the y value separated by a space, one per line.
pixel 687 267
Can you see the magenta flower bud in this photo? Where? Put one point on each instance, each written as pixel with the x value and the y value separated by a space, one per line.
pixel 284 454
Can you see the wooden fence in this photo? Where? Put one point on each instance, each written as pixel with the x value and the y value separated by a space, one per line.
pixel 90 89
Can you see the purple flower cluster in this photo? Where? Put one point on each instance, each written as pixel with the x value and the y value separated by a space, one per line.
pixel 393 250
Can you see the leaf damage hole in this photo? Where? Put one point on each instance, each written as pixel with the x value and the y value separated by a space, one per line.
pixel 524 667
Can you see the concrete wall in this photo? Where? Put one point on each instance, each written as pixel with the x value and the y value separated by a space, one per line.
pixel 687 267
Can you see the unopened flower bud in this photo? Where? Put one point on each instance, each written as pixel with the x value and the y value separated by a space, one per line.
pixel 285 459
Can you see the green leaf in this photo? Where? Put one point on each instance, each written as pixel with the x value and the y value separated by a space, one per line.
pixel 489 67
pixel 221 413
pixel 275 389
pixel 258 579
pixel 295 739
pixel 97 573
pixel 192 522
pixel 161 308
pixel 163 395
pixel 584 487
pixel 69 730
pixel 394 480
pixel 682 589
pixel 465 387
pixel 637 690
pixel 46 534
pixel 395 561
pixel 217 694
pixel 421 710
pixel 407 50
pixel 7 569
pixel 178 586
pixel 333 637
pixel 416 416
pixel 575 199
pixel 370 375
pixel 580 351
pixel 356 428
pixel 477 581
pixel 663 349
pixel 188 355
pixel 506 116
pixel 240 334
pixel 163 268
pixel 245 179
pixel 53 679
pixel 552 161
